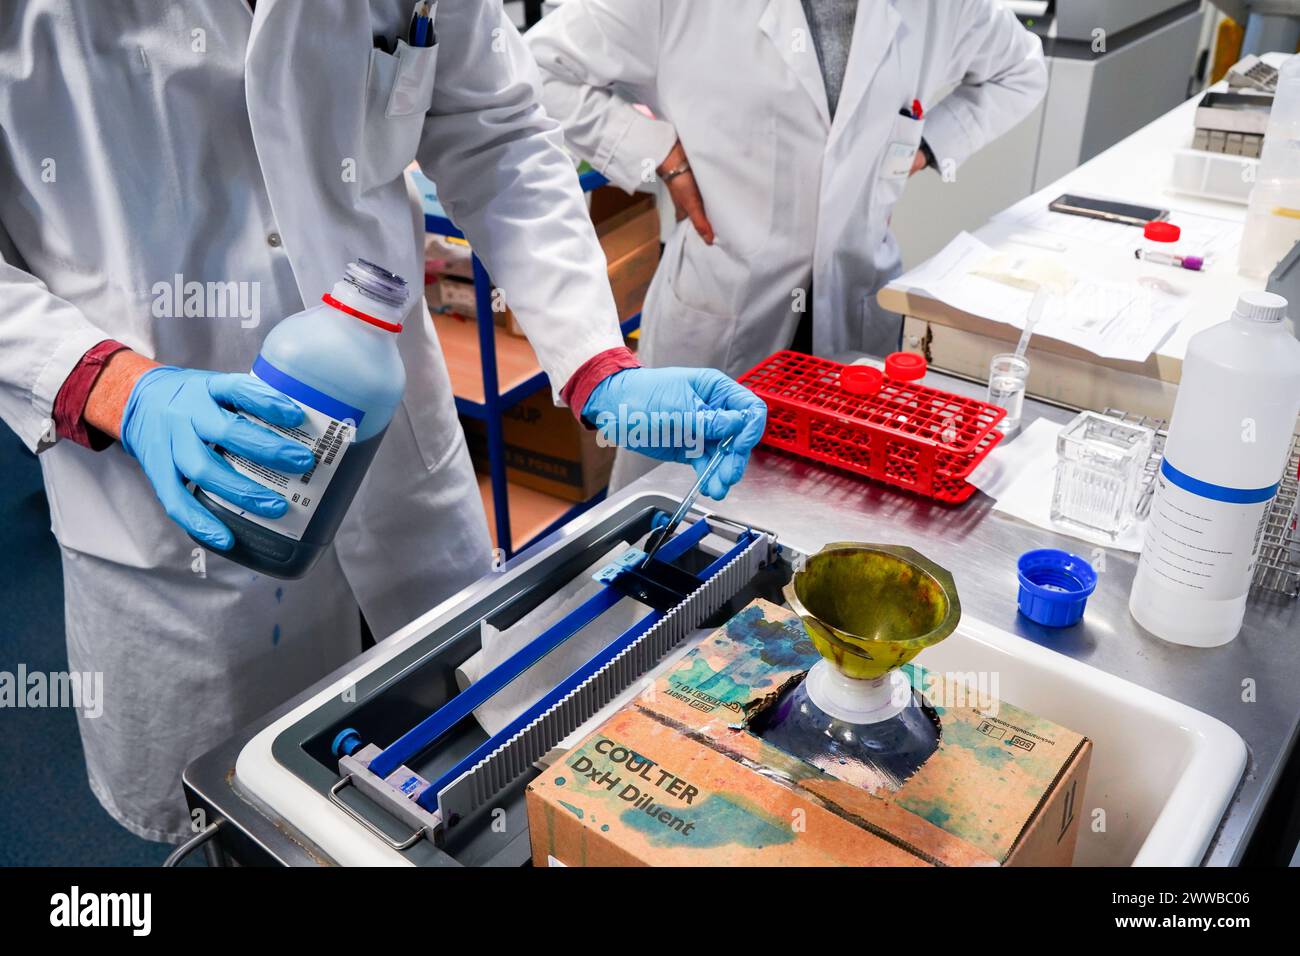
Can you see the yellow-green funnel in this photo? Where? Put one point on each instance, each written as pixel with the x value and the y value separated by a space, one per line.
pixel 870 608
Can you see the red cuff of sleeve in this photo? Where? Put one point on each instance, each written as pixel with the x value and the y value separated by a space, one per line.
pixel 70 403
pixel 591 373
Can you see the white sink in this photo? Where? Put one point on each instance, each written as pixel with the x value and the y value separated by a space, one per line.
pixel 1162 772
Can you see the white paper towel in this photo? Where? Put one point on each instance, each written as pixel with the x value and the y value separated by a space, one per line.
pixel 529 687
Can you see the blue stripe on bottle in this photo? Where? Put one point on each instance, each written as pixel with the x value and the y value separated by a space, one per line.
pixel 1234 496
pixel 305 394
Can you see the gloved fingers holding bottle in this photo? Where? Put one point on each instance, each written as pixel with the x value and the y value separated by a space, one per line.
pixel 172 417
pixel 702 407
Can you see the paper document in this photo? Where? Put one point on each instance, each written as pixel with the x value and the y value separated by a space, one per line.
pixel 1115 320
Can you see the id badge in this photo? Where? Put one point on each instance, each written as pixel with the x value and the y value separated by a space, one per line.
pixel 898 161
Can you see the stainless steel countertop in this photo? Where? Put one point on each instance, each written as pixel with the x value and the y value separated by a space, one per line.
pixel 808 505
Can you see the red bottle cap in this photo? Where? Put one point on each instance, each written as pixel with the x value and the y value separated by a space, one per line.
pixel 1162 232
pixel 905 367
pixel 861 380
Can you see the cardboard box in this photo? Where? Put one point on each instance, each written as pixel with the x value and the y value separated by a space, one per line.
pixel 546 449
pixel 623 222
pixel 444 256
pixel 448 293
pixel 628 230
pixel 456 295
pixel 630 276
pixel 679 778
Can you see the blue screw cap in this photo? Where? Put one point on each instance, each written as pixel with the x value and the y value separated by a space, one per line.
pixel 346 742
pixel 1054 586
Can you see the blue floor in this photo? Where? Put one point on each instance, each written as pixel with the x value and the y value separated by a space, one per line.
pixel 48 816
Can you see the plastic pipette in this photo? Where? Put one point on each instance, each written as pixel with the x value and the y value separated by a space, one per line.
pixel 1036 309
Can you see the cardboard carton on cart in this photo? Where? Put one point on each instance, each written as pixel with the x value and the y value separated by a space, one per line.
pixel 678 777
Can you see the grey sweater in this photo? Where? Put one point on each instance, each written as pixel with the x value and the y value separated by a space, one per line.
pixel 831 22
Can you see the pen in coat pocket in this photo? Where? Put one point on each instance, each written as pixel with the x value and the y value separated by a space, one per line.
pixel 420 33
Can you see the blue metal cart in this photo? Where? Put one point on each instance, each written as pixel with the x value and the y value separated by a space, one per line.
pixel 495 402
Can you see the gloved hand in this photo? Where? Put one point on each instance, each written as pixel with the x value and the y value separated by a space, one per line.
pixel 699 402
pixel 170 417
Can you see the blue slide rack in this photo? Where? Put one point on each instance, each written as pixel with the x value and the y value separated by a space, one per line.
pixel 435 726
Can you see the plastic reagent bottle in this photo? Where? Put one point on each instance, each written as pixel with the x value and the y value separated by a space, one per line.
pixel 339 362
pixel 1273 219
pixel 1228 444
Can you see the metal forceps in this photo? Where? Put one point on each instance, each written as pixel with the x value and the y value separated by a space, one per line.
pixel 657 538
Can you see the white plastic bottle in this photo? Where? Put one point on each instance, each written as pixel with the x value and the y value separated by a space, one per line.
pixel 1273 220
pixel 1228 444
pixel 339 362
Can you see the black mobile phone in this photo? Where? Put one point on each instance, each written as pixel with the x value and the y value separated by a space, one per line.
pixel 1124 213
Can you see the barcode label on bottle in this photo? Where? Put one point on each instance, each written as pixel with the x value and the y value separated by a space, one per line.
pixel 328 438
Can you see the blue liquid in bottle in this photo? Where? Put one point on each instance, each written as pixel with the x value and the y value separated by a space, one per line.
pixel 339 362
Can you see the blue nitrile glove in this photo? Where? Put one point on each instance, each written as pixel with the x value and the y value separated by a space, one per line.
pixel 172 416
pixel 641 408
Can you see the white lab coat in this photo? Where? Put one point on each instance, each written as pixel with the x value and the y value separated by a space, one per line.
pixel 793 197
pixel 144 141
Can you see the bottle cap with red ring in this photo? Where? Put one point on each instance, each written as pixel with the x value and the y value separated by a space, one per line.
pixel 905 367
pixel 1162 232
